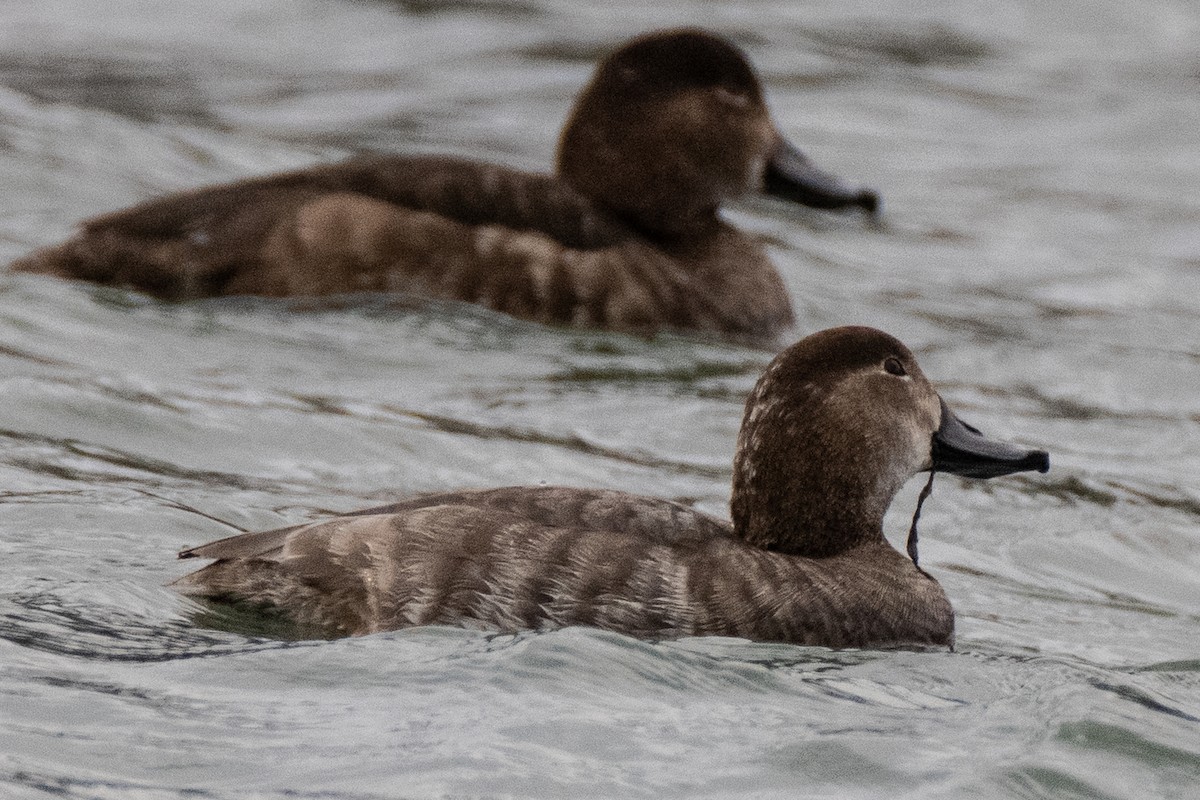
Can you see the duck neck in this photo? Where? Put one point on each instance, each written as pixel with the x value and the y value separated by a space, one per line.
pixel 680 229
pixel 800 486
pixel 641 179
pixel 808 510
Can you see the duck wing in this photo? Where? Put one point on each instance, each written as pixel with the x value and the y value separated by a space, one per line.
pixel 471 192
pixel 654 519
pixel 227 239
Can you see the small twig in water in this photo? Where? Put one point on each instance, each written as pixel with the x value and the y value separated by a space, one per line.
pixel 190 509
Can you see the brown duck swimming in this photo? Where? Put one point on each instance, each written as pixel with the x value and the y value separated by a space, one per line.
pixel 625 235
pixel 836 425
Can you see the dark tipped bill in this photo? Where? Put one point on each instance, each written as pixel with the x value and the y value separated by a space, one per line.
pixel 962 450
pixel 791 176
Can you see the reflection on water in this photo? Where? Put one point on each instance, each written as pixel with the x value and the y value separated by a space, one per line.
pixel 1038 251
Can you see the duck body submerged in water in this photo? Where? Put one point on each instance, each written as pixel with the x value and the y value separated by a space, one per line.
pixel 836 425
pixel 625 235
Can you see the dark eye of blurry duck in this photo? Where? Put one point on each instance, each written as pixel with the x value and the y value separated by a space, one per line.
pixel 894 367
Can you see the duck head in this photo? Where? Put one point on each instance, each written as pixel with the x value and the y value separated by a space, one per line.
pixel 835 426
pixel 673 124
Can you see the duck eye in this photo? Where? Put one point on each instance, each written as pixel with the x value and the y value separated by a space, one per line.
pixel 894 367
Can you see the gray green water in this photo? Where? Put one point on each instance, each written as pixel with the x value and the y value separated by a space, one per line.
pixel 1040 167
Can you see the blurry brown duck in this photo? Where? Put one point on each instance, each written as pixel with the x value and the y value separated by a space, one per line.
pixel 625 235
pixel 836 425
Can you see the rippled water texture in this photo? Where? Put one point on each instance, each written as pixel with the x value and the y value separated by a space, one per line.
pixel 1040 250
